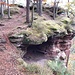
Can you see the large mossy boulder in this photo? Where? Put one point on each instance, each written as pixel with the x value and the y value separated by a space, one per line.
pixel 13 10
pixel 42 29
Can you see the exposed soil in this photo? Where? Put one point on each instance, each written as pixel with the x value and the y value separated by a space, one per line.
pixel 8 52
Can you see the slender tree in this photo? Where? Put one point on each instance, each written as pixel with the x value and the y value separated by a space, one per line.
pixel 5 2
pixel 56 8
pixel 68 9
pixel 32 17
pixel 8 9
pixel 37 6
pixel 27 11
pixel 54 14
pixel 40 7
pixel 1 9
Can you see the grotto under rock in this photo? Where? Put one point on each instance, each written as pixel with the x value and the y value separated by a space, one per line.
pixel 45 36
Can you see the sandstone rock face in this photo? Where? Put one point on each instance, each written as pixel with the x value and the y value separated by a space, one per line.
pixel 64 45
pixel 47 36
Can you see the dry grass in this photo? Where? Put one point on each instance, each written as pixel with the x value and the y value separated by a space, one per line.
pixel 71 64
pixel 33 69
pixel 36 69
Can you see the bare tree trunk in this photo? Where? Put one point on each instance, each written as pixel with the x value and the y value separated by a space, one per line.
pixel 2 10
pixel 32 17
pixel 37 6
pixel 27 11
pixel 40 7
pixel 56 9
pixel 68 9
pixel 54 14
pixel 8 9
pixel 4 5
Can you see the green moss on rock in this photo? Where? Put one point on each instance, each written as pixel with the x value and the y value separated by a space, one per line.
pixel 13 10
pixel 42 29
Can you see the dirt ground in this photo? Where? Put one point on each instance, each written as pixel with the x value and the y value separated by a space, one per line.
pixel 9 53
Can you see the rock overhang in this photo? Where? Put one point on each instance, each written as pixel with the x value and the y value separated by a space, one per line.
pixel 42 29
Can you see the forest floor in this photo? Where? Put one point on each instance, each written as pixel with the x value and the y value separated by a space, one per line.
pixel 8 52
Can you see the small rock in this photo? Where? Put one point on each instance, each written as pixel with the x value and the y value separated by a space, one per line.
pixel 2 40
pixel 2 48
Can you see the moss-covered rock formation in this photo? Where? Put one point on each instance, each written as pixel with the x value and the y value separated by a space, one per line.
pixel 42 29
pixel 13 10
